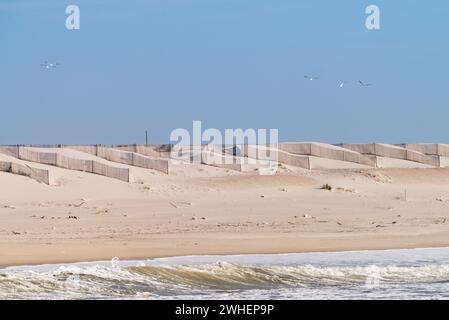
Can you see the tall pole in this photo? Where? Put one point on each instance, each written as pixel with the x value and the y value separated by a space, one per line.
pixel 146 136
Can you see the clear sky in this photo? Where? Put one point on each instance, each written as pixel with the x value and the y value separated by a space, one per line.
pixel 159 64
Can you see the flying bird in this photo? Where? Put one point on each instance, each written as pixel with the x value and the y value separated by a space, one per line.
pixel 49 66
pixel 365 84
pixel 311 78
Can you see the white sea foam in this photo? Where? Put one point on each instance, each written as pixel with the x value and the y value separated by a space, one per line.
pixel 396 274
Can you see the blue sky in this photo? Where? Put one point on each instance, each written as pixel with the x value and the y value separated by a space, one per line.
pixel 159 64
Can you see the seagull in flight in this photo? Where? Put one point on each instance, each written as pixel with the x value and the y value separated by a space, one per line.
pixel 49 66
pixel 311 78
pixel 365 84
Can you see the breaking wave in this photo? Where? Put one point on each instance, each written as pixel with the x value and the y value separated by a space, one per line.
pixel 157 279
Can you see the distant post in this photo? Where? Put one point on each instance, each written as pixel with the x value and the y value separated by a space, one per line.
pixel 146 136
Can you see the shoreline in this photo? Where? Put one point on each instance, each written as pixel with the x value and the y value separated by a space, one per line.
pixel 104 254
pixel 188 256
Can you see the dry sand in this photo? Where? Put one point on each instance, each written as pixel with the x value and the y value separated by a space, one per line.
pixel 205 210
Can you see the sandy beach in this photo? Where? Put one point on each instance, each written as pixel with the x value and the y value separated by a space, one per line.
pixel 199 209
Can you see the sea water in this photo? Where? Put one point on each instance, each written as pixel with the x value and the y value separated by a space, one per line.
pixel 383 274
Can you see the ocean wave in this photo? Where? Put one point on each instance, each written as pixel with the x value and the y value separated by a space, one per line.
pixel 141 281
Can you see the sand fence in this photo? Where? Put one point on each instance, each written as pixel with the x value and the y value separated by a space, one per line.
pixel 157 151
pixel 273 154
pixel 219 160
pixel 59 160
pixel 303 155
pixel 435 149
pixel 12 151
pixel 307 155
pixel 40 175
pixel 125 157
pixel 327 151
pixel 133 159
pixel 211 155
pixel 394 152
